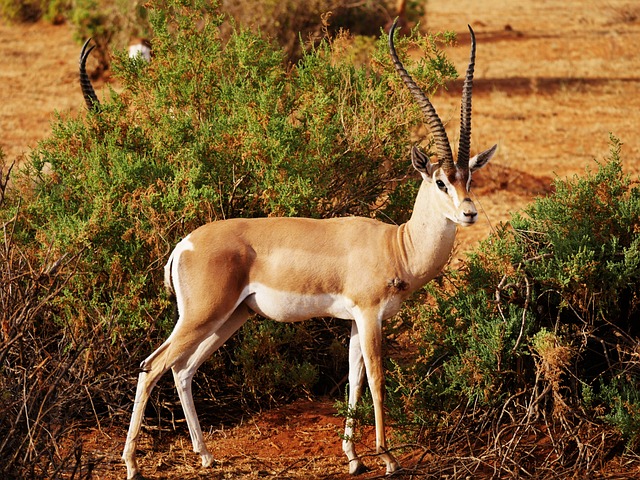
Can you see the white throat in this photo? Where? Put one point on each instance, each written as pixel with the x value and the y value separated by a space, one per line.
pixel 429 235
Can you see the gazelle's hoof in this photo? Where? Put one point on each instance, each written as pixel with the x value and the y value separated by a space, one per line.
pixel 207 459
pixel 135 476
pixel 356 467
pixel 133 473
pixel 393 468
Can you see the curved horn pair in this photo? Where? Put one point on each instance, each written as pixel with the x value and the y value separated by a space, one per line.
pixel 89 93
pixel 445 157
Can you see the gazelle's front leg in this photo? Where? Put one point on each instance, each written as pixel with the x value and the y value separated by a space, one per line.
pixel 356 380
pixel 370 336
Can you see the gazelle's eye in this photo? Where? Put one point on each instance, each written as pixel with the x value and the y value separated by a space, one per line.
pixel 441 185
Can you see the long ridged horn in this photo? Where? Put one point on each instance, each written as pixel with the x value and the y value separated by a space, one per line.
pixel 465 108
pixel 445 157
pixel 89 93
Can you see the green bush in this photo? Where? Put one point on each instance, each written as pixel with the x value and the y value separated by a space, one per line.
pixel 541 324
pixel 290 21
pixel 21 10
pixel 113 24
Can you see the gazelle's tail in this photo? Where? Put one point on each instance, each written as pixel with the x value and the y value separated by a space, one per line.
pixel 168 284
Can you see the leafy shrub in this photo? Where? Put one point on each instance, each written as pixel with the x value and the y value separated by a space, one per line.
pixel 40 367
pixel 20 10
pixel 112 25
pixel 540 324
pixel 293 20
pixel 54 11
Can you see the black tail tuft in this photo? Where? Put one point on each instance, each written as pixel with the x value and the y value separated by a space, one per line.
pixel 171 292
pixel 174 307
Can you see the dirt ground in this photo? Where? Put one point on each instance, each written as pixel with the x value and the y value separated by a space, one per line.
pixel 552 80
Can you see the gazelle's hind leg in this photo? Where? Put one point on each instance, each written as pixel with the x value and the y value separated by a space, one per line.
pixel 184 370
pixel 152 369
pixel 184 353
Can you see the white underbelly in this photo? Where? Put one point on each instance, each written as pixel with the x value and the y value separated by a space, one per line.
pixel 293 307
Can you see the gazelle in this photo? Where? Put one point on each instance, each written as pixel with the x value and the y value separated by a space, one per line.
pixel 292 269
pixel 140 47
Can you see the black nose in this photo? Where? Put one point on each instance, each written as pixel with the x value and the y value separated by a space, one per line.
pixel 470 215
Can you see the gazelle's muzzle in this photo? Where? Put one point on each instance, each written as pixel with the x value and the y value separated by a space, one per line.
pixel 468 213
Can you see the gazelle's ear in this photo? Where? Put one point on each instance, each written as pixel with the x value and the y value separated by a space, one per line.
pixel 481 159
pixel 422 163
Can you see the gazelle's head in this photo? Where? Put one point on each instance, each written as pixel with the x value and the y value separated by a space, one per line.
pixel 452 179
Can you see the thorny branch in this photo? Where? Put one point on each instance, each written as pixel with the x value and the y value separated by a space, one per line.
pixel 38 368
pixel 4 178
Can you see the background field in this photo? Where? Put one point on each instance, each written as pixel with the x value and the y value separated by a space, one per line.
pixel 552 80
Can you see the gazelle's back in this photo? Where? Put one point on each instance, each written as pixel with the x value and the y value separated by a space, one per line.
pixel 283 253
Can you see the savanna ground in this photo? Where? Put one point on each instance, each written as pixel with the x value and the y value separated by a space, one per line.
pixel 552 80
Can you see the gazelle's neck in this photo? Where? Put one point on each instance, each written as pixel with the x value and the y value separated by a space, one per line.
pixel 428 237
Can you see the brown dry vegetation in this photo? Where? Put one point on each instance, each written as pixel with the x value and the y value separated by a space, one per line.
pixel 552 80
